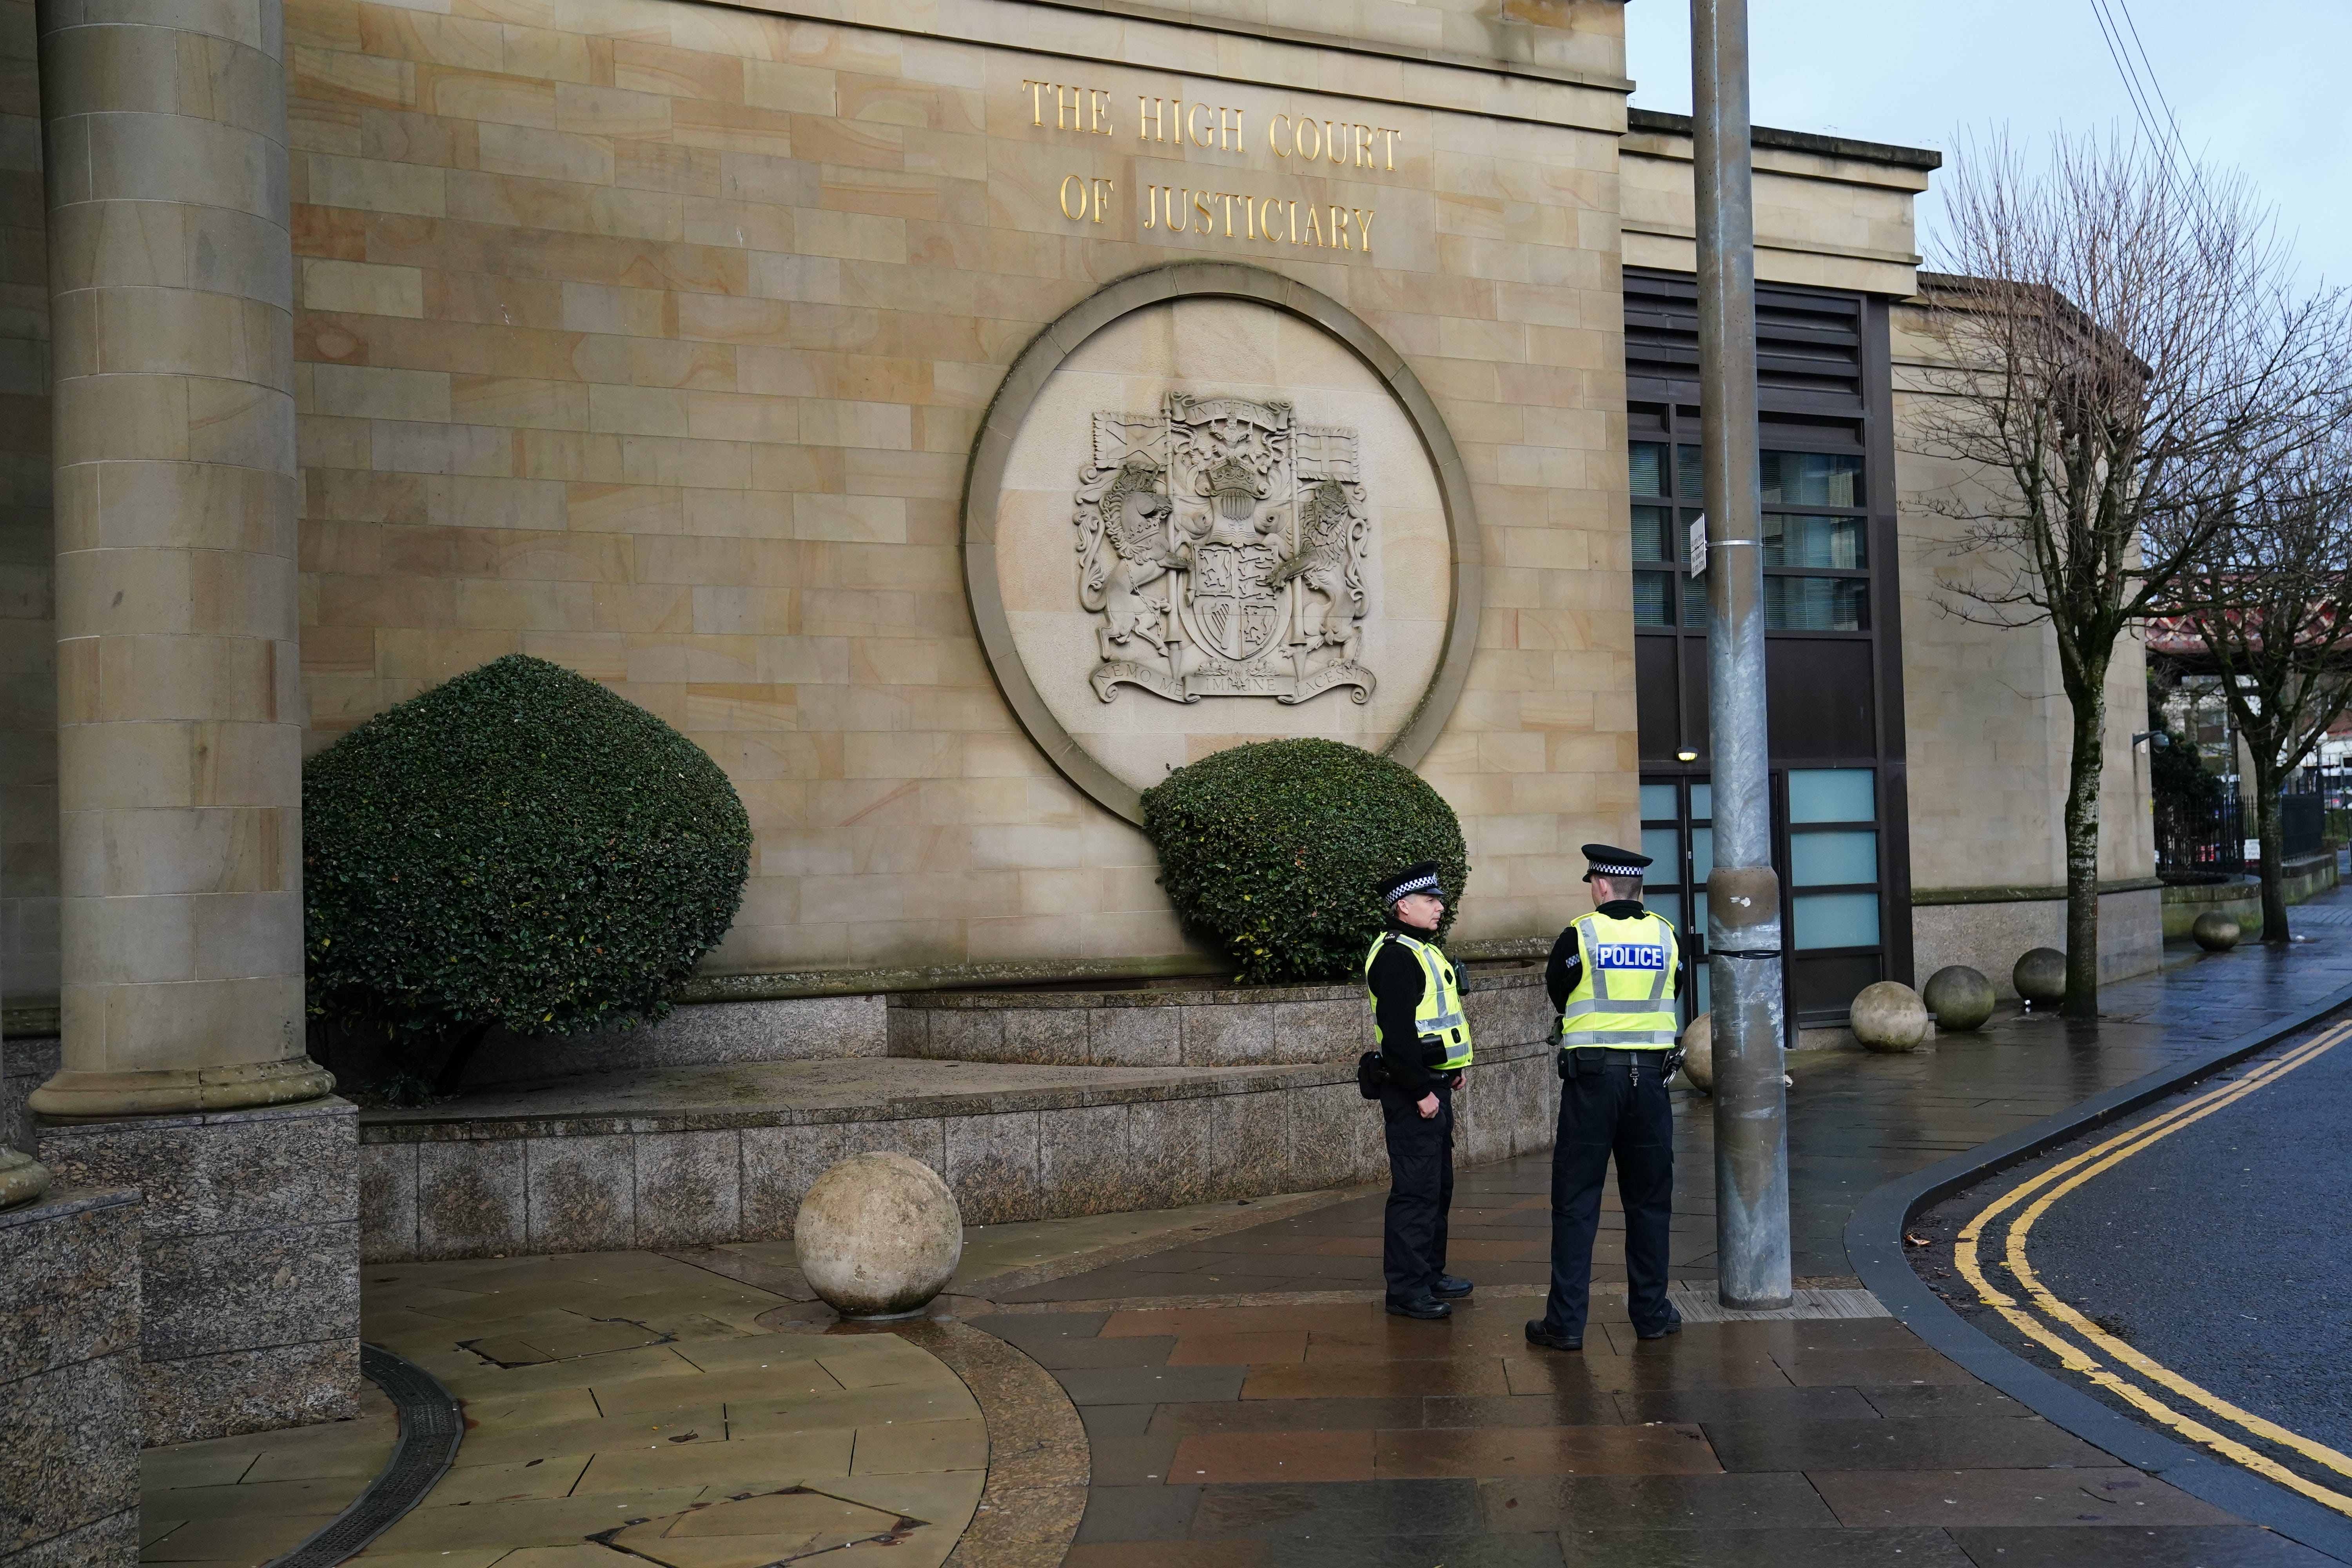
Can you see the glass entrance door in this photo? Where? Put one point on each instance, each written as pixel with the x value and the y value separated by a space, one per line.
pixel 1826 849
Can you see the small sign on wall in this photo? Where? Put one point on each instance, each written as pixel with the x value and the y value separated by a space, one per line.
pixel 1698 546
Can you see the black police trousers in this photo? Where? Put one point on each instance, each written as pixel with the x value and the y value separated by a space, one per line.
pixel 1621 1109
pixel 1420 1191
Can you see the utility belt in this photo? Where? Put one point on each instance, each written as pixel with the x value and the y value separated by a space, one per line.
pixel 1372 1072
pixel 1591 1061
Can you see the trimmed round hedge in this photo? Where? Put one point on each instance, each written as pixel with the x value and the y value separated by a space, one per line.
pixel 1276 851
pixel 515 846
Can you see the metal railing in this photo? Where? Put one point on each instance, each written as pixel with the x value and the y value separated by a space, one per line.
pixel 2219 840
pixel 2194 842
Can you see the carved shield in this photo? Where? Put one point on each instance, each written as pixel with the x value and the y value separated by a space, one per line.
pixel 1229 610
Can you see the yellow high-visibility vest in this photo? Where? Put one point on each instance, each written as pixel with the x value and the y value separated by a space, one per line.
pixel 1439 1015
pixel 1624 1000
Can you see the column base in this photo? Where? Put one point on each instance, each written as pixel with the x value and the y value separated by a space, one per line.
pixel 250 1257
pixel 69 1405
pixel 81 1096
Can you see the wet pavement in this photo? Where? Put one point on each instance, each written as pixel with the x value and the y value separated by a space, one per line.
pixel 1247 1401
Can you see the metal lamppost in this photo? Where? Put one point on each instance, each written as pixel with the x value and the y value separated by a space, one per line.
pixel 1743 892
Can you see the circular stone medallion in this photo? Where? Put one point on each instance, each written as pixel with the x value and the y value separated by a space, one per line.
pixel 1211 506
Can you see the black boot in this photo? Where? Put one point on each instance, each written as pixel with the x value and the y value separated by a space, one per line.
pixel 1542 1334
pixel 1451 1288
pixel 1419 1307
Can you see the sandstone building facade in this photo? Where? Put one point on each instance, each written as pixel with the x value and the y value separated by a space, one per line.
pixel 910 401
pixel 654 338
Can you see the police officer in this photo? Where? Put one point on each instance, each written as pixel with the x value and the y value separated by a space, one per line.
pixel 1424 1044
pixel 1611 977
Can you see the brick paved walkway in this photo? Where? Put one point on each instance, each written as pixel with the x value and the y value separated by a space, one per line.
pixel 1247 1401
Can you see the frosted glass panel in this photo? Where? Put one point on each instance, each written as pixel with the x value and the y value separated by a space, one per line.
pixel 1660 844
pixel 1702 802
pixel 1652 542
pixel 1670 905
pixel 1699 913
pixel 1809 478
pixel 1832 795
pixel 1700 990
pixel 1690 472
pixel 1653 598
pixel 1645 467
pixel 1658 803
pixel 1836 920
pixel 1825 859
pixel 1816 605
pixel 1701 853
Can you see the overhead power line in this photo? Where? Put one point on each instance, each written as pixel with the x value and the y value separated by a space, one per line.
pixel 2149 105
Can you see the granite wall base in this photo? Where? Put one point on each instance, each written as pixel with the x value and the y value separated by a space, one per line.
pixel 1990 938
pixel 70 1417
pixel 485 1188
pixel 2241 897
pixel 249 1249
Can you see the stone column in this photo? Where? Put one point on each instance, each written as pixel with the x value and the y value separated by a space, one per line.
pixel 171 269
pixel 179 717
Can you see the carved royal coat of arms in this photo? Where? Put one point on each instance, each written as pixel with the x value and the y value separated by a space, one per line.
pixel 1222 545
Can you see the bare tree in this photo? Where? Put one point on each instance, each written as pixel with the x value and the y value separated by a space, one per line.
pixel 2117 344
pixel 2270 600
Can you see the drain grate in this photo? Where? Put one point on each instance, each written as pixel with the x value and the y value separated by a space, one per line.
pixel 430 1428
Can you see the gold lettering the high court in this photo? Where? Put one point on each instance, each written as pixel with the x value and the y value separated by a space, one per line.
pixel 1301 141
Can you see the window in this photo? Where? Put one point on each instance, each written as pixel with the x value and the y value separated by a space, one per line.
pixel 1816 559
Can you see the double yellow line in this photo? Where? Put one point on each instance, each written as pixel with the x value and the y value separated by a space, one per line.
pixel 2108 1361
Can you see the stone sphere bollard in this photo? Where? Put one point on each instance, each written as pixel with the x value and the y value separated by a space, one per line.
pixel 1958 997
pixel 1889 1016
pixel 2041 976
pixel 2215 932
pixel 878 1236
pixel 1698 1054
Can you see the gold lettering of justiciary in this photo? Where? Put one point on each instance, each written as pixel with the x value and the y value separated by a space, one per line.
pixel 1279 220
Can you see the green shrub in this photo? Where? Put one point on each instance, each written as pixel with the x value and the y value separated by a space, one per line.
pixel 1276 851
pixel 516 846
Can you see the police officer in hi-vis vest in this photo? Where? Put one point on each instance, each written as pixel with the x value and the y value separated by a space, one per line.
pixel 1424 1044
pixel 1612 976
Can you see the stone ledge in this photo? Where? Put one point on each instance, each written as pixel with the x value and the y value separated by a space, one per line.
pixel 1194 1027
pixel 488 1117
pixel 483 1179
pixel 1929 897
pixel 1190 996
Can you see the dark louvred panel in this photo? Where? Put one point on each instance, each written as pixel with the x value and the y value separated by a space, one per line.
pixel 1817 693
pixel 1808 346
pixel 1654 696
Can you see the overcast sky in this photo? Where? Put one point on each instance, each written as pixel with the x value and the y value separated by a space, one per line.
pixel 2264 86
